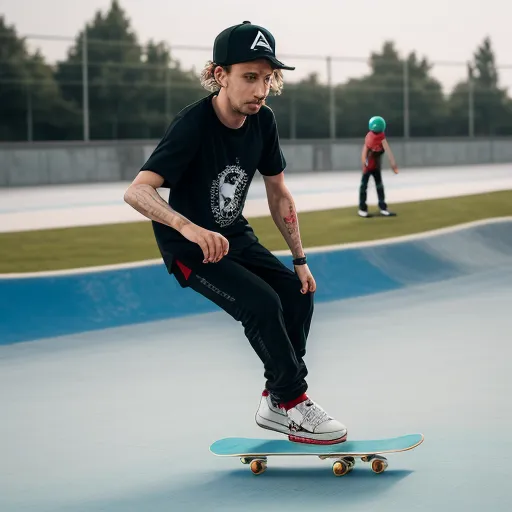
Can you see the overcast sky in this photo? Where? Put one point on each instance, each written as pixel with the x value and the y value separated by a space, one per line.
pixel 442 30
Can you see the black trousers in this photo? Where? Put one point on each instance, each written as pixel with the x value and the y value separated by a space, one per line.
pixel 259 291
pixel 377 176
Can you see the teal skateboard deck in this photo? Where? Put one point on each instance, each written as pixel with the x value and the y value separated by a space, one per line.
pixel 256 451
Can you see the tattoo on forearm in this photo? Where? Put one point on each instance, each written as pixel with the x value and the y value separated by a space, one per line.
pixel 288 224
pixel 290 221
pixel 147 201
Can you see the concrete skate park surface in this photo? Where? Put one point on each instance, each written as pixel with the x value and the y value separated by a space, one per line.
pixel 411 335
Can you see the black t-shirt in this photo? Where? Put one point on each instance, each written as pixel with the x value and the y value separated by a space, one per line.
pixel 209 168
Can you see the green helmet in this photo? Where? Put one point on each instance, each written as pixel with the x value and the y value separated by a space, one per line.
pixel 377 124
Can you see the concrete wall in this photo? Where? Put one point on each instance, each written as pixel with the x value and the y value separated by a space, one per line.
pixel 48 163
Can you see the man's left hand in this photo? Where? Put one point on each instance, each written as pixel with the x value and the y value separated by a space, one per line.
pixel 306 278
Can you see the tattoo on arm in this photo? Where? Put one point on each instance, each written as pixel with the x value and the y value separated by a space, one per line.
pixel 285 216
pixel 290 221
pixel 147 201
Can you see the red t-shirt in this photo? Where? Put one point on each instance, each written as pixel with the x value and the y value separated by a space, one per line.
pixel 373 141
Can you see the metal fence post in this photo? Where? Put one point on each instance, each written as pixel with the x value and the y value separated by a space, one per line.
pixel 85 87
pixel 406 100
pixel 471 103
pixel 30 116
pixel 293 113
pixel 332 107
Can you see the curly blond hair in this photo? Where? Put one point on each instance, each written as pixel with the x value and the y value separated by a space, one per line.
pixel 209 82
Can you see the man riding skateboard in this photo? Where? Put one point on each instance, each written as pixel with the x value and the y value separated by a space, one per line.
pixel 207 158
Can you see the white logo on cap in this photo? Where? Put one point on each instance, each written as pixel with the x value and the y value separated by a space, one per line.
pixel 261 40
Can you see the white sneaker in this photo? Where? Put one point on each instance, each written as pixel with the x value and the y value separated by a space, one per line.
pixel 307 422
pixel 270 416
pixel 362 213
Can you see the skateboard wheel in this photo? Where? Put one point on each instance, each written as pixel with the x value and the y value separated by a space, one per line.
pixel 351 462
pixel 258 466
pixel 340 468
pixel 248 460
pixel 379 464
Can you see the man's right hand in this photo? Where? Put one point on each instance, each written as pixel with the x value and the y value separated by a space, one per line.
pixel 213 245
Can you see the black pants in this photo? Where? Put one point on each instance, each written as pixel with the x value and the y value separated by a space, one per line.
pixel 256 289
pixel 377 176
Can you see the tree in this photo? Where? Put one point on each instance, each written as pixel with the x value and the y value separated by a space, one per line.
pixel 381 92
pixel 491 106
pixel 113 67
pixel 30 104
pixel 490 99
pixel 304 104
pixel 134 89
pixel 156 93
pixel 427 104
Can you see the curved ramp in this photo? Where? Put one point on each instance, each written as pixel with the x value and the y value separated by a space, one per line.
pixel 59 303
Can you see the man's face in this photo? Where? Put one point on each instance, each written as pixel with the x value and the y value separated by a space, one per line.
pixel 247 85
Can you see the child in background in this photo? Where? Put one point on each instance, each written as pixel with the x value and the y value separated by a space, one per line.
pixel 375 145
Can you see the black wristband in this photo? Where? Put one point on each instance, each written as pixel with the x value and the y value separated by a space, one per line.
pixel 300 261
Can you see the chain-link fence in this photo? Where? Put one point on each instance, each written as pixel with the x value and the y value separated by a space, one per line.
pixel 100 91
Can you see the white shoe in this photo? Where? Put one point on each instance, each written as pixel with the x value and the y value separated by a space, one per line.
pixel 362 213
pixel 270 416
pixel 307 422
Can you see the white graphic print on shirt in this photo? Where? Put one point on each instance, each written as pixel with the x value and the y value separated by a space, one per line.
pixel 227 194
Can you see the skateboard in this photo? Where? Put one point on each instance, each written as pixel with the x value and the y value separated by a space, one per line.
pixel 378 214
pixel 255 452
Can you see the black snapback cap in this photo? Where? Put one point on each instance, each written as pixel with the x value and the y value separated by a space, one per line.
pixel 243 43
